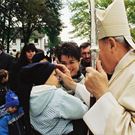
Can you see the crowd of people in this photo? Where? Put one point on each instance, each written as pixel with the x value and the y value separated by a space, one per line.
pixel 40 96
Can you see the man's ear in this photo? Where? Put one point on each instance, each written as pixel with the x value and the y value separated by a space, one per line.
pixel 112 43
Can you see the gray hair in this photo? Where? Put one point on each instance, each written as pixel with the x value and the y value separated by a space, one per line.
pixel 121 40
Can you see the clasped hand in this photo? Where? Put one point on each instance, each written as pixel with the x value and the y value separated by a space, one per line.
pixel 96 80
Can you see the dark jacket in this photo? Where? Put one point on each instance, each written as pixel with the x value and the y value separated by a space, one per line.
pixel 6 61
pixel 10 124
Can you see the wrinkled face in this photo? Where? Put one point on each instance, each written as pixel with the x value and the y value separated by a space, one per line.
pixel 30 54
pixel 71 63
pixel 85 54
pixel 107 56
pixel 53 79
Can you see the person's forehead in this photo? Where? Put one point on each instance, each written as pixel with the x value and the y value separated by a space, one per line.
pixel 85 49
pixel 31 50
pixel 66 57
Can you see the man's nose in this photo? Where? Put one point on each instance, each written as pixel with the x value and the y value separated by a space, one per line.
pixel 87 55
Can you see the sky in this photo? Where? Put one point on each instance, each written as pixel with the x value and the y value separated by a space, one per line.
pixel 65 17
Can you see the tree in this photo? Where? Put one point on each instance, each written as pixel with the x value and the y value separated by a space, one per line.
pixel 103 3
pixel 54 26
pixel 40 15
pixel 80 19
pixel 23 17
pixel 131 15
pixel 6 22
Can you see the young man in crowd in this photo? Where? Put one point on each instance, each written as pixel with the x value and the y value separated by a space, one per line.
pixel 85 56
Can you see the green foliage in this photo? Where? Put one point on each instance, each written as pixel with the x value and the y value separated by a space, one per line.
pixel 130 5
pixel 80 19
pixel 7 21
pixel 103 3
pixel 133 33
pixel 40 15
pixel 28 16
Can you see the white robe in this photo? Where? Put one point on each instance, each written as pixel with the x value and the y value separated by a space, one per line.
pixel 114 112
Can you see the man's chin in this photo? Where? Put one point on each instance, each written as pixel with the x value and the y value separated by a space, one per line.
pixel 87 61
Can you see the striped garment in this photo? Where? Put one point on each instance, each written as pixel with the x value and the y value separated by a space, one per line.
pixel 51 110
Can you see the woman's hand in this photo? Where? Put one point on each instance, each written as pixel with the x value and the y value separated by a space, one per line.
pixel 63 72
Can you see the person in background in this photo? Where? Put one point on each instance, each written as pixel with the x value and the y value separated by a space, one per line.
pixel 10 115
pixel 40 56
pixel 6 60
pixel 51 108
pixel 85 56
pixel 10 111
pixel 27 53
pixel 3 85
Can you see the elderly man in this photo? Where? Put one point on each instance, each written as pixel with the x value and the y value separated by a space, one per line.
pixel 114 111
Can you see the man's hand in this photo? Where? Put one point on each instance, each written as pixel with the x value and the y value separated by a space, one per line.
pixel 63 72
pixel 96 81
